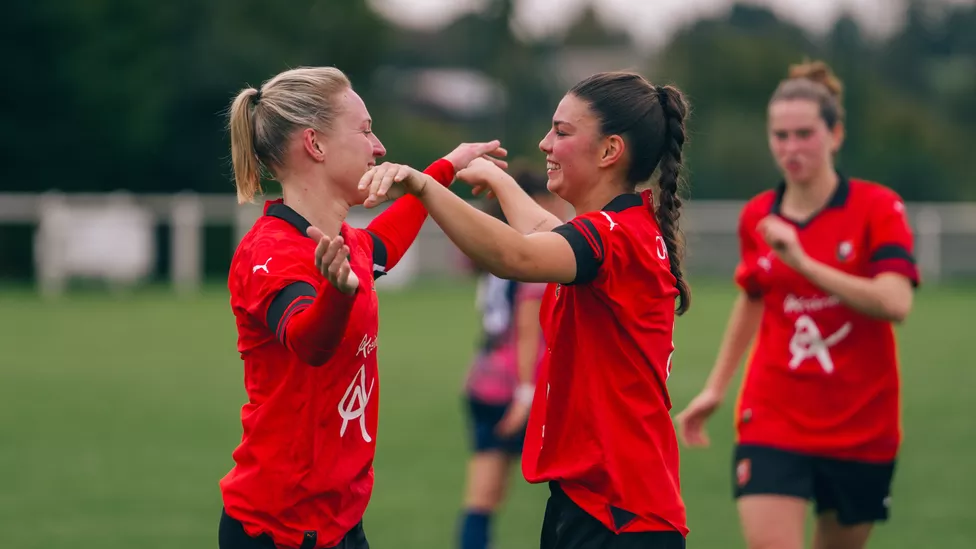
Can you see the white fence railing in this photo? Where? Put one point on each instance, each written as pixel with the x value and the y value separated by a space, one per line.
pixel 112 237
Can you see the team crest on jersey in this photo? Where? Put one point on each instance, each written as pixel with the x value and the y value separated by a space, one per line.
pixel 845 250
pixel 743 472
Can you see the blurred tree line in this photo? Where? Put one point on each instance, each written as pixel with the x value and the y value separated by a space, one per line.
pixel 122 94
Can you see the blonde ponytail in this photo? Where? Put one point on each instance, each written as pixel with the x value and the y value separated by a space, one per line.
pixel 247 171
pixel 262 122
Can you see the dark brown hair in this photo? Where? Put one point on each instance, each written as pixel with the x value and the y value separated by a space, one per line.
pixel 814 81
pixel 651 120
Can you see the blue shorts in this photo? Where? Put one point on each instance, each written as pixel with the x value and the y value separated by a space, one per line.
pixel 483 419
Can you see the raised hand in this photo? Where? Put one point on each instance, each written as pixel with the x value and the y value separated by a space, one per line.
pixel 783 239
pixel 332 260
pixel 390 181
pixel 466 152
pixel 481 174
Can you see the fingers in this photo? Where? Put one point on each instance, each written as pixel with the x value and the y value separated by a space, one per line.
pixel 326 252
pixel 339 259
pixel 314 233
pixel 490 148
pixel 402 174
pixel 496 161
pixel 320 250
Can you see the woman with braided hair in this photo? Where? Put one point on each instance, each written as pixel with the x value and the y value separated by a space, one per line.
pixel 599 430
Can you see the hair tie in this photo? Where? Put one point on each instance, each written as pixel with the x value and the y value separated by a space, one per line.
pixel 257 96
pixel 662 96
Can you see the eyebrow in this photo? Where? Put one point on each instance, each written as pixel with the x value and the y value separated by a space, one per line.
pixel 557 123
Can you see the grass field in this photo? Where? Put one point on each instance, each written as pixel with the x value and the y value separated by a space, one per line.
pixel 118 417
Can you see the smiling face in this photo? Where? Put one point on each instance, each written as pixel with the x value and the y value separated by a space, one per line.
pixel 800 139
pixel 572 148
pixel 351 146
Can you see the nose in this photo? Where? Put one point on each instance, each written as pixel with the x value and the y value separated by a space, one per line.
pixel 546 144
pixel 379 150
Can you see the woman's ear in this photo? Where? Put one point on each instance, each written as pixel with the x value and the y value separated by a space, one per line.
pixel 837 135
pixel 612 150
pixel 313 144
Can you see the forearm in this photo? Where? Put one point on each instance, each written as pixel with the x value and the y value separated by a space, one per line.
pixel 878 297
pixel 521 211
pixel 398 226
pixel 491 244
pixel 314 333
pixel 739 332
pixel 529 331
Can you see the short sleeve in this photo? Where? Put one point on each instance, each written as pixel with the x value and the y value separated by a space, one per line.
pixel 589 246
pixel 891 243
pixel 279 282
pixel 747 275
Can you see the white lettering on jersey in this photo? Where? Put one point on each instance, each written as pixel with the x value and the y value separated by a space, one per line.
pixel 662 247
pixel 264 267
pixel 612 224
pixel 808 342
pixel 352 406
pixel 366 346
pixel 801 305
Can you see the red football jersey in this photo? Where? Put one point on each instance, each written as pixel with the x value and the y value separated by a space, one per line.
pixel 822 378
pixel 303 472
pixel 600 422
pixel 305 460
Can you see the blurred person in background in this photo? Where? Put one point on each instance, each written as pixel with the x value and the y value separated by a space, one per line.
pixel 826 267
pixel 599 432
pixel 501 379
pixel 302 292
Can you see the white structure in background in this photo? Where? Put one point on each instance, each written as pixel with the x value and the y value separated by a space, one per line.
pixel 113 240
pixel 112 237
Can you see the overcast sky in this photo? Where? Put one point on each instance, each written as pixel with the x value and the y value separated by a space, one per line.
pixel 651 22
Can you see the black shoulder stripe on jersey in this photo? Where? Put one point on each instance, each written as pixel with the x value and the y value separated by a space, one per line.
pixel 590 228
pixel 587 264
pixel 283 301
pixel 380 256
pixel 892 251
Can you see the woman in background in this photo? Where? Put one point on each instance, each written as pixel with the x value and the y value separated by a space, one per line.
pixel 501 380
pixel 826 268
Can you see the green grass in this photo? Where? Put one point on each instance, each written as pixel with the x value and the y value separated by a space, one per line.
pixel 118 416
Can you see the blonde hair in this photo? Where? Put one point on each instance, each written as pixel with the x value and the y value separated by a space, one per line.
pixel 261 121
pixel 814 81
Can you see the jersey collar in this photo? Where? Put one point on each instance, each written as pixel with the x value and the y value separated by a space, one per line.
pixel 281 211
pixel 837 200
pixel 624 201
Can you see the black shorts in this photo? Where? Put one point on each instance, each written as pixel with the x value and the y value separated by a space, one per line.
pixel 859 492
pixel 231 535
pixel 484 418
pixel 567 526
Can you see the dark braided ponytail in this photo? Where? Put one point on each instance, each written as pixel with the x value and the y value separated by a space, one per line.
pixel 669 209
pixel 651 120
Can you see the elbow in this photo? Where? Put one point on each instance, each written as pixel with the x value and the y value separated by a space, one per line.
pixel 315 357
pixel 897 313
pixel 511 264
pixel 895 309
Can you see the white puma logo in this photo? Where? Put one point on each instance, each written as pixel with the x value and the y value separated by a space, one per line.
pixel 264 267
pixel 612 224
